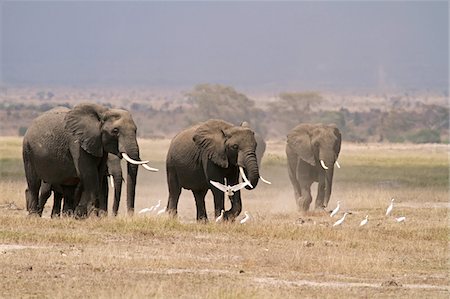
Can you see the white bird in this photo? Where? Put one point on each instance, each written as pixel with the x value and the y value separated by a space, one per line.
pixel 391 206
pixel 339 222
pixel 400 219
pixel 246 218
pixel 336 209
pixel 364 221
pixel 228 190
pixel 157 205
pixel 220 218
pixel 163 210
pixel 145 210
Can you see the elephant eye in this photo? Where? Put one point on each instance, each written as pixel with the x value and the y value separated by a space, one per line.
pixel 115 131
pixel 235 146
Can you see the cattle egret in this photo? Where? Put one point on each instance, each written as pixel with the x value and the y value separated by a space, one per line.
pixel 220 218
pixel 334 212
pixel 389 209
pixel 228 190
pixel 157 205
pixel 364 221
pixel 400 219
pixel 339 222
pixel 145 210
pixel 246 218
pixel 163 210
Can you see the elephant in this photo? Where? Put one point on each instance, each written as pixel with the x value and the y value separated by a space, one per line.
pixel 68 147
pixel 71 195
pixel 312 150
pixel 213 150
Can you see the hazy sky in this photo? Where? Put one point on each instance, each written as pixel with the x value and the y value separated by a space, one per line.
pixel 320 45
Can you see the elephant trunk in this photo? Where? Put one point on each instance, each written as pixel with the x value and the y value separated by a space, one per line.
pixel 328 185
pixel 327 161
pixel 132 170
pixel 249 163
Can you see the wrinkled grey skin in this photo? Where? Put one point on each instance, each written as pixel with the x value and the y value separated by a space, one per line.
pixel 211 150
pixel 307 144
pixel 260 145
pixel 65 147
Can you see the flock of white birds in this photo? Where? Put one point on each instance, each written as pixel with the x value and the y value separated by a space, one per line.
pixel 229 191
pixel 365 221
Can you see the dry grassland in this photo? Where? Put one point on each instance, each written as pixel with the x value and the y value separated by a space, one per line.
pixel 278 254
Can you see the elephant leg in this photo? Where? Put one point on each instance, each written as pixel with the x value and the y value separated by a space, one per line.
pixel 199 196
pixel 57 198
pixel 320 193
pixel 34 184
pixel 69 200
pixel 236 207
pixel 89 177
pixel 292 171
pixel 174 192
pixel 102 199
pixel 117 192
pixel 304 177
pixel 45 193
pixel 219 201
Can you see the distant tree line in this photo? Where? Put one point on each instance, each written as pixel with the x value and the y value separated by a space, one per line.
pixel 419 124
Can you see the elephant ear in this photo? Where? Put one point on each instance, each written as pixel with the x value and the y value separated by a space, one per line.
pixel 300 141
pixel 211 141
pixel 84 122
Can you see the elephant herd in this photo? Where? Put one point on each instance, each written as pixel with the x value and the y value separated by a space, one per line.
pixel 71 152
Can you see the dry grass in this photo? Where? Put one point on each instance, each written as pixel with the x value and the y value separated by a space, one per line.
pixel 280 253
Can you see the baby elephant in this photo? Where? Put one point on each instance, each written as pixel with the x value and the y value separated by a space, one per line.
pixel 312 150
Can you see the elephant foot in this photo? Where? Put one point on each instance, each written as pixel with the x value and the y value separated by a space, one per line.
pixel 68 213
pixel 229 216
pixel 81 212
pixel 102 213
pixel 33 214
pixel 55 215
pixel 202 220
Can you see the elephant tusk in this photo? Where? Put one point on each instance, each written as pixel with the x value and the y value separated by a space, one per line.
pixel 112 181
pixel 265 181
pixel 337 164
pixel 129 160
pixel 150 168
pixel 244 177
pixel 323 165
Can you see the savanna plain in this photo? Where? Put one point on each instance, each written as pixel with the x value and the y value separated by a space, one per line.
pixel 279 253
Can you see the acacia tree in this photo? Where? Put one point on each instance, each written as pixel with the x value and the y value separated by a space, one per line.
pixel 293 108
pixel 223 102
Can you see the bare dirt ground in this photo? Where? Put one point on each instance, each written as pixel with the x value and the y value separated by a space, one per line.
pixel 280 253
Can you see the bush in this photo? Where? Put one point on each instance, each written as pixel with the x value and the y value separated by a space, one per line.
pixel 425 136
